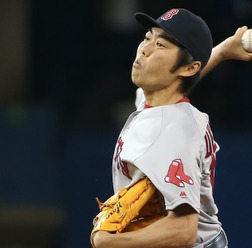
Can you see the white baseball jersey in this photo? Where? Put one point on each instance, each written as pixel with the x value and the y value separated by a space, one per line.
pixel 173 145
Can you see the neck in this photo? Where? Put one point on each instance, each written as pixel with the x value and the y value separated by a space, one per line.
pixel 162 98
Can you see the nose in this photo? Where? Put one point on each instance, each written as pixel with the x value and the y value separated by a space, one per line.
pixel 147 49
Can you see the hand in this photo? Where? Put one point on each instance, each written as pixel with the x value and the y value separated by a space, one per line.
pixel 99 239
pixel 231 48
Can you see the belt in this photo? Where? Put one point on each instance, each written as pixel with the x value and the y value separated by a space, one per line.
pixel 220 241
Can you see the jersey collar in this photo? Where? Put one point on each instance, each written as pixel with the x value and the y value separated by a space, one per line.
pixel 184 99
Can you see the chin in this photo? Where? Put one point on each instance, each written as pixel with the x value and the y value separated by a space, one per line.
pixel 135 82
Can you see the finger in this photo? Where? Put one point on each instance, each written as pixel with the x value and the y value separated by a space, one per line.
pixel 239 32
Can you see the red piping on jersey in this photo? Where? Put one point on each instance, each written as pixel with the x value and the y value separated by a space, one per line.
pixel 184 99
pixel 147 106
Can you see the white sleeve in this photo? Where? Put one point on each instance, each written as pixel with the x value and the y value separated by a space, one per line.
pixel 166 147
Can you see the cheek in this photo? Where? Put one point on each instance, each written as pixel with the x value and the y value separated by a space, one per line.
pixel 158 67
pixel 158 73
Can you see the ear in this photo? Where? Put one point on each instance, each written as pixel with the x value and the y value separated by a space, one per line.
pixel 190 69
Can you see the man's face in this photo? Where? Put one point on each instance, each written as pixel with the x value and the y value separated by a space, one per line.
pixel 155 57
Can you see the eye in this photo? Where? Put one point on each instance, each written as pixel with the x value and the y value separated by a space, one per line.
pixel 146 38
pixel 159 44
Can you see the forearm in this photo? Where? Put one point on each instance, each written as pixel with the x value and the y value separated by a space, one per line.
pixel 167 232
pixel 216 58
pixel 229 49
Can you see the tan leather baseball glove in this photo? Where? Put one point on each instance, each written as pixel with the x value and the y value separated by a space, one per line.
pixel 129 209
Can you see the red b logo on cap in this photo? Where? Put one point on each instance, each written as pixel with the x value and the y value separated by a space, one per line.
pixel 169 14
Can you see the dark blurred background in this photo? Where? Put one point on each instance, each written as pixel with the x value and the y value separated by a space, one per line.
pixel 65 91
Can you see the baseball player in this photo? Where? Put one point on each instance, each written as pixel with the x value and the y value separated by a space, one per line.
pixel 169 140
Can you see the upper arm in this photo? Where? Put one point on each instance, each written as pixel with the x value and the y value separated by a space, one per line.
pixel 185 218
pixel 182 210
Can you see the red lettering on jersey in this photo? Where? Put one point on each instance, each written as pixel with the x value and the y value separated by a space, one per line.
pixel 210 151
pixel 169 14
pixel 209 140
pixel 212 169
pixel 121 165
pixel 176 174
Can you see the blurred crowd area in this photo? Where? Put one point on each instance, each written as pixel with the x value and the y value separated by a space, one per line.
pixel 77 57
pixel 65 92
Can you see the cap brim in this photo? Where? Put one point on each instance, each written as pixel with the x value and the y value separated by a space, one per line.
pixel 146 21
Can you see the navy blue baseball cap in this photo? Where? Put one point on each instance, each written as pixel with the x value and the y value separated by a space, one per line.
pixel 188 29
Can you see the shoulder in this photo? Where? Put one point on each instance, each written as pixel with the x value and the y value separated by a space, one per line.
pixel 184 118
pixel 164 124
pixel 164 120
pixel 181 114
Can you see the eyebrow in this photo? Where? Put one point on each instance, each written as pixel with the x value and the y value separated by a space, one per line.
pixel 167 37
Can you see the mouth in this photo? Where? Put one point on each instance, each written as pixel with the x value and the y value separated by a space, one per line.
pixel 137 64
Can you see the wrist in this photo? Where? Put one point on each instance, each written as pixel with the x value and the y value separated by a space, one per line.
pixel 219 53
pixel 101 239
